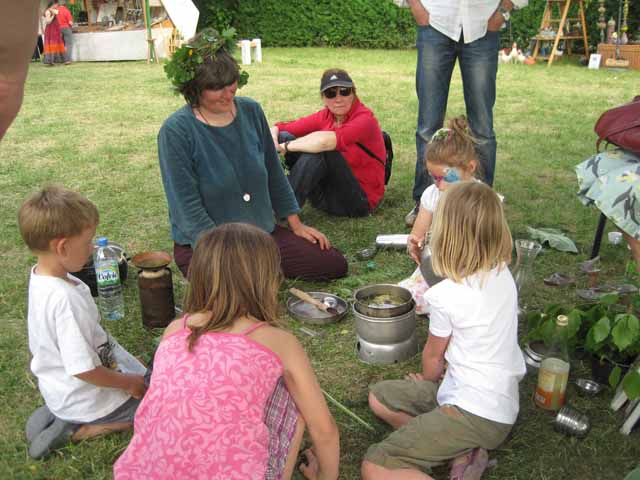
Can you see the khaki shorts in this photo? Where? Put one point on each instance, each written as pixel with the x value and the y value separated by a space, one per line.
pixel 435 435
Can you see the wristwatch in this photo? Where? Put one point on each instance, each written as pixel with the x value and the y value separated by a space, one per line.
pixel 506 14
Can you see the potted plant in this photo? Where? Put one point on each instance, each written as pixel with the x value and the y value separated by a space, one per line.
pixel 607 330
pixel 613 339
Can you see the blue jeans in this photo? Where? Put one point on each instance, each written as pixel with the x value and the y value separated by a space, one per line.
pixel 437 56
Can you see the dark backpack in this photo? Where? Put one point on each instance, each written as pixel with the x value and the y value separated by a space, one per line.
pixel 388 163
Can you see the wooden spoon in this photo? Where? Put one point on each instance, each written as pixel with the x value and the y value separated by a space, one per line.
pixel 313 301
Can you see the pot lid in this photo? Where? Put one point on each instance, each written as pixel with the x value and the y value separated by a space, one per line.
pixel 151 260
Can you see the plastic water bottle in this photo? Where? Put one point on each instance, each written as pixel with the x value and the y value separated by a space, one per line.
pixel 106 261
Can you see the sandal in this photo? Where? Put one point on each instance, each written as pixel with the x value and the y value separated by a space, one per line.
pixel 472 468
pixel 558 279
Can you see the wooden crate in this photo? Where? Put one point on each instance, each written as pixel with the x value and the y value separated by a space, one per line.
pixel 628 52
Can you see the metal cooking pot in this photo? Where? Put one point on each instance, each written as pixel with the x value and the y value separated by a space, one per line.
pixel 385 330
pixel 364 295
pixel 426 268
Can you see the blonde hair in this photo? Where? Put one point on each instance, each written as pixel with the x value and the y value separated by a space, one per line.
pixel 470 232
pixel 54 212
pixel 234 272
pixel 454 146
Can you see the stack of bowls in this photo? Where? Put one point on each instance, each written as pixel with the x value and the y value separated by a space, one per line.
pixel 385 331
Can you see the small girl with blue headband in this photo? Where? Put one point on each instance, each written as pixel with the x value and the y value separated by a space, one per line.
pixel 450 157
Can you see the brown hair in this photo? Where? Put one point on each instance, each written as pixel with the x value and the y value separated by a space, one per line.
pixel 454 146
pixel 470 232
pixel 234 271
pixel 218 70
pixel 54 212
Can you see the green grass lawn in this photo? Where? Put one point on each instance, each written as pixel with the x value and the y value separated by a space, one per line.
pixel 93 127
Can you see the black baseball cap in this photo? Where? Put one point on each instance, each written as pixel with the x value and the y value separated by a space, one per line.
pixel 335 79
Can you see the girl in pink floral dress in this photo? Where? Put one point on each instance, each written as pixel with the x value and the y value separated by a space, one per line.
pixel 217 368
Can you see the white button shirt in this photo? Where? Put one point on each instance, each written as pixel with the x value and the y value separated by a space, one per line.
pixel 452 17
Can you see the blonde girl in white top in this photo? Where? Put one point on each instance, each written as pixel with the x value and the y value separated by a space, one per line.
pixel 473 328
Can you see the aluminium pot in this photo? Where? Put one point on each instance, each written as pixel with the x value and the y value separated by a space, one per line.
pixel 385 331
pixel 364 295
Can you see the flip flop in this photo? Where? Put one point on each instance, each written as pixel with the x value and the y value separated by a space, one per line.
pixel 473 468
pixel 598 292
pixel 558 279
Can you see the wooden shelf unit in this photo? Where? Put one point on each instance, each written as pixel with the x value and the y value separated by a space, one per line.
pixel 548 20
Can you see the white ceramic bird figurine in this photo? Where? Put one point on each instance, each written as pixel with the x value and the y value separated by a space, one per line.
pixel 513 55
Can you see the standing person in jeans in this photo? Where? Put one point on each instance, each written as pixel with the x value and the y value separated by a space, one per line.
pixel 450 30
pixel 65 20
pixel 336 156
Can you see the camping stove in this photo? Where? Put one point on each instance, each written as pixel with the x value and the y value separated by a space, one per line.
pixel 386 353
pixel 385 340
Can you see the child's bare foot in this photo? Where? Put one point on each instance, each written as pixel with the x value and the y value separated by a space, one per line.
pixel 470 466
pixel 89 431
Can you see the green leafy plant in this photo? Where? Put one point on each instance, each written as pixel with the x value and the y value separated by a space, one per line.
pixel 607 329
pixel 615 337
pixel 368 23
pixel 541 324
pixel 182 66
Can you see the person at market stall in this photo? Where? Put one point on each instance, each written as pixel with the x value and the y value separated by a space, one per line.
pixel 219 164
pixel 336 156
pixel 54 49
pixel 65 20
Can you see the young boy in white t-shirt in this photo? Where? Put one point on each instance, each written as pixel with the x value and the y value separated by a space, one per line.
pixel 71 352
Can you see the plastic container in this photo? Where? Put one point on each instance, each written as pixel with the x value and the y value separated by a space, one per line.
pixel 106 261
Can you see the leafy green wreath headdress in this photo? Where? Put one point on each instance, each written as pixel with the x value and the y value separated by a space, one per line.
pixel 186 59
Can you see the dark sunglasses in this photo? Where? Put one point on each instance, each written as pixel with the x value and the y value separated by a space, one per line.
pixel 343 91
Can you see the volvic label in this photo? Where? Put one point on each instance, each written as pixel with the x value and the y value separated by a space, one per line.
pixel 108 275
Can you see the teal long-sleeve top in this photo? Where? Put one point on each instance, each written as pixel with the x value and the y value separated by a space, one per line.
pixel 216 175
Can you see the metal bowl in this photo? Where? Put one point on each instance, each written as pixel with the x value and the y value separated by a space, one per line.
pixel 364 306
pixel 426 268
pixel 588 387
pixel 307 313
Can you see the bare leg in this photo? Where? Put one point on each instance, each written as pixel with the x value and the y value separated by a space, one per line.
pixel 371 471
pixel 89 431
pixel 294 449
pixel 395 419
pixel 634 245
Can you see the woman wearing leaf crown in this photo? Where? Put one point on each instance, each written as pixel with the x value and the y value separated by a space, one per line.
pixel 219 163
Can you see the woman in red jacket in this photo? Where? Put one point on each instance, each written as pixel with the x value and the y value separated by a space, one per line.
pixel 335 156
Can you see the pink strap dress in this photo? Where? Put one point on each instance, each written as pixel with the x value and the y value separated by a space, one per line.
pixel 203 414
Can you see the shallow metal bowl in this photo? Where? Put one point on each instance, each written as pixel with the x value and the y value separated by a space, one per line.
pixel 307 313
pixel 588 387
